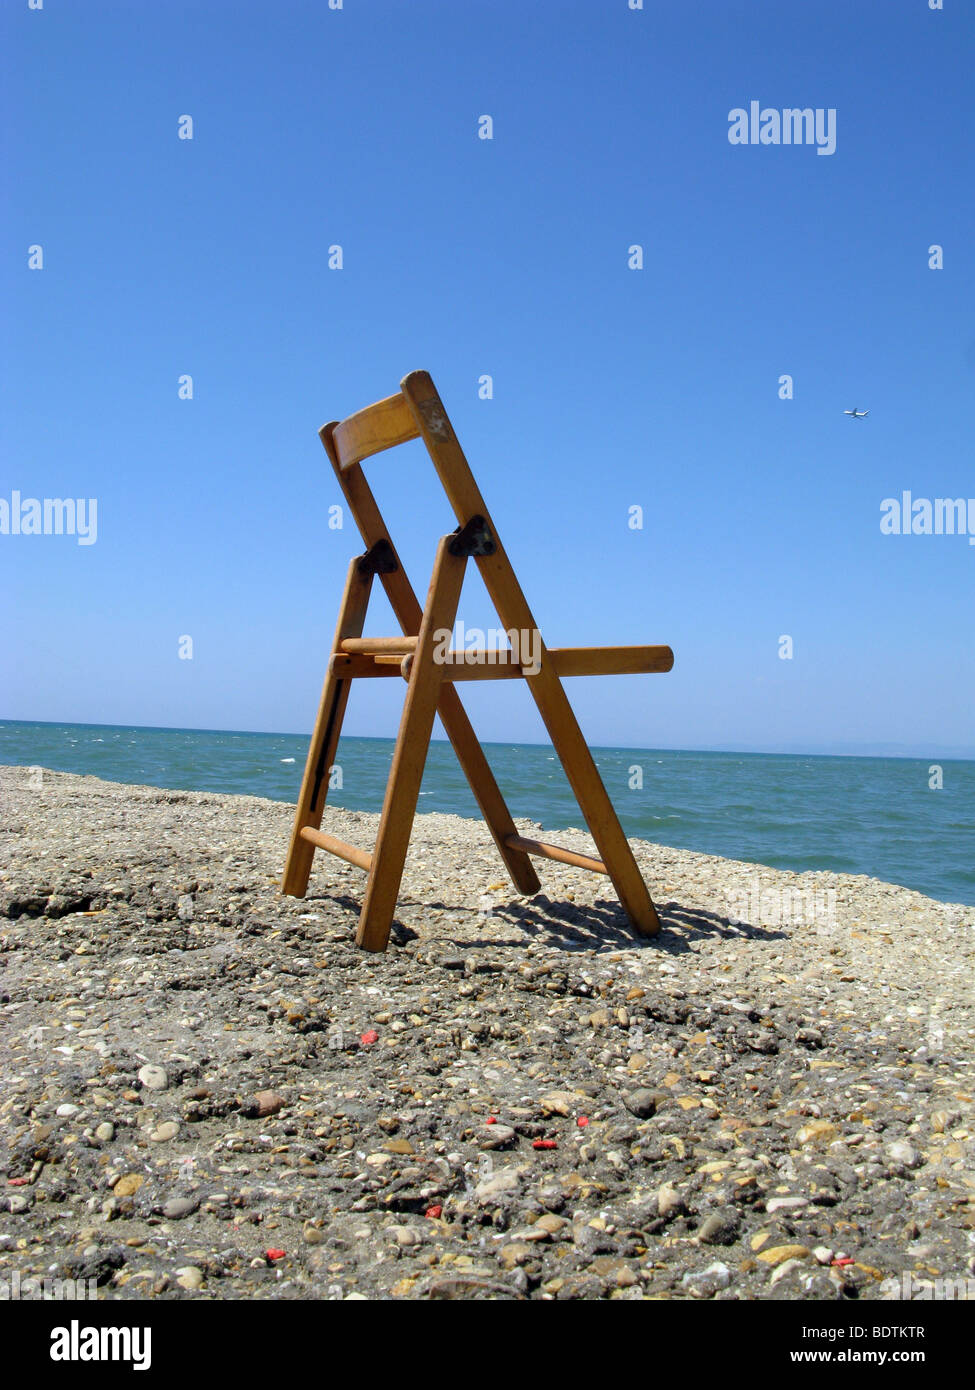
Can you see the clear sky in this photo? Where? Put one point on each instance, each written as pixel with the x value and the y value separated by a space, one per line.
pixel 613 387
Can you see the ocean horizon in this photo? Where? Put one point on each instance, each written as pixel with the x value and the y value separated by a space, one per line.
pixel 851 814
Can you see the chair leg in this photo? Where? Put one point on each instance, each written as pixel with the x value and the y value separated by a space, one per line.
pixel 325 738
pixel 412 742
pixel 580 768
pixel 453 716
pixel 502 584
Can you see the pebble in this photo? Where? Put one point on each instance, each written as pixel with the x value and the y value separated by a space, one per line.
pixel 516 1252
pixel 153 1078
pixel 642 1102
pixel 669 1201
pixel 778 1254
pixel 816 1132
pixel 268 1103
pixel 705 1282
pixel 177 1208
pixel 497 1137
pixel 902 1154
pixel 128 1185
pixel 559 1103
pixel 499 1184
pixel 747 1091
pixel 720 1228
pixel 405 1235
pixel 783 1270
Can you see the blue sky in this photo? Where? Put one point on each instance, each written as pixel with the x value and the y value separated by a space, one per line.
pixel 612 387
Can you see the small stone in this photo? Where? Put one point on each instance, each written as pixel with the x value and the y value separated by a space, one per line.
pixel 312 1234
pixel 552 1224
pixel 67 1109
pixel 558 1103
pixel 816 1132
pixel 515 1253
pixel 642 1103
pixel 778 1254
pixel 153 1078
pixel 822 1254
pixel 164 1132
pixel 785 1204
pixel 189 1277
pixel 783 1270
pixel 531 1233
pixel 176 1208
pixel 705 1282
pixel 105 1131
pixel 128 1184
pixel 497 1137
pixel 405 1235
pixel 720 1228
pixel 498 1184
pixel 399 1146
pixel 902 1155
pixel 184 908
pixel 669 1201
pixel 268 1103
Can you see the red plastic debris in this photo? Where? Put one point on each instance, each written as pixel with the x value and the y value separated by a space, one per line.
pixel 18 1182
pixel 367 1039
pixel 846 1260
pixel 434 1211
pixel 273 1254
pixel 544 1144
pixel 582 1121
pixel 491 1120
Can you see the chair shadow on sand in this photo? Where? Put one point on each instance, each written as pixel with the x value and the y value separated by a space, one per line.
pixel 598 926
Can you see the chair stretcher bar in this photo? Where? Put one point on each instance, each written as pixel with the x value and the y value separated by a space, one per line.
pixel 365 657
pixel 359 857
pixel 564 856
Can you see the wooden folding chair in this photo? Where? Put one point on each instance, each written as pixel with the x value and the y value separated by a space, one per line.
pixel 416 412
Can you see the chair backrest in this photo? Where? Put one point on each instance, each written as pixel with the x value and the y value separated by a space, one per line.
pixel 381 426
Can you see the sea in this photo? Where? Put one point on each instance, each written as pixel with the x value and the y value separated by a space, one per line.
pixel 854 815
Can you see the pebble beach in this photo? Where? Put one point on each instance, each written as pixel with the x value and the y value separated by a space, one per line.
pixel 209 1093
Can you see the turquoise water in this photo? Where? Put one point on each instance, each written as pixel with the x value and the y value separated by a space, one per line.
pixel 854 815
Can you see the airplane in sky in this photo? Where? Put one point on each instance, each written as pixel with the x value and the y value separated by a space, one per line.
pixel 857 414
